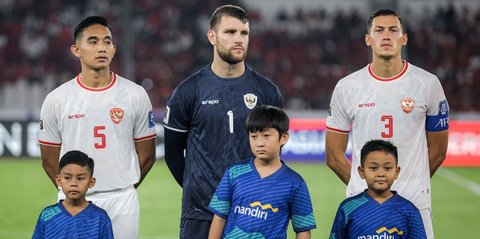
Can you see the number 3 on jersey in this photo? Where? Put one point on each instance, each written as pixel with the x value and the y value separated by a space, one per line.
pixel 99 135
pixel 388 120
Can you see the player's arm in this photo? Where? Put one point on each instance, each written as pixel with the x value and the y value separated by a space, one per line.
pixel 336 145
pixel 437 149
pixel 50 156
pixel 339 226
pixel 216 229
pixel 146 157
pixel 175 144
pixel 303 235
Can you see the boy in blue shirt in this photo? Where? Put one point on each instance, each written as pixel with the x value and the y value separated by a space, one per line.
pixel 378 212
pixel 74 217
pixel 256 198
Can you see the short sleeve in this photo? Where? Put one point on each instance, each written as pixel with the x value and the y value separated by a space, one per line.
pixel 221 201
pixel 337 117
pixel 144 121
pixel 278 99
pixel 303 218
pixel 437 112
pixel 416 228
pixel 39 232
pixel 49 133
pixel 338 228
pixel 106 227
pixel 177 112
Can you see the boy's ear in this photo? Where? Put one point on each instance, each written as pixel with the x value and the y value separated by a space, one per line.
pixel 398 172
pixel 361 172
pixel 92 182
pixel 58 181
pixel 284 138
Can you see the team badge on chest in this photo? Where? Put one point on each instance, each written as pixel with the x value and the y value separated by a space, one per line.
pixel 250 100
pixel 116 114
pixel 408 104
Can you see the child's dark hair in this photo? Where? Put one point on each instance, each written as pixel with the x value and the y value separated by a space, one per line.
pixel 384 12
pixel 267 116
pixel 78 158
pixel 92 20
pixel 230 11
pixel 378 145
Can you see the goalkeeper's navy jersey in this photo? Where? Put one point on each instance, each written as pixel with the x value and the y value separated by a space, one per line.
pixel 213 110
pixel 56 222
pixel 256 207
pixel 361 216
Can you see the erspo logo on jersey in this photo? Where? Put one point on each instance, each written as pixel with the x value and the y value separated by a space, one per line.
pixel 256 209
pixel 366 105
pixel 210 102
pixel 384 233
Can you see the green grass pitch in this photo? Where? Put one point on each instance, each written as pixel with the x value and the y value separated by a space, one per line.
pixel 26 190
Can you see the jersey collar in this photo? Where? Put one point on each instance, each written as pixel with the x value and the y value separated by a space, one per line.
pixel 79 82
pixel 405 67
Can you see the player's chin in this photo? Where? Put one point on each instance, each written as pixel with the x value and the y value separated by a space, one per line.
pixel 386 55
pixel 262 156
pixel 74 193
pixel 101 65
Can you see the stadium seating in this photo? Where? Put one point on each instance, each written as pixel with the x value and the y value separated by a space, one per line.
pixel 305 53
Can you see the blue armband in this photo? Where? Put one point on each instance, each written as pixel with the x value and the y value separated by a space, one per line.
pixel 438 122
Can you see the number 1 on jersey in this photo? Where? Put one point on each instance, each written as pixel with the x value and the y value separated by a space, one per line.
pixel 100 135
pixel 230 120
pixel 388 119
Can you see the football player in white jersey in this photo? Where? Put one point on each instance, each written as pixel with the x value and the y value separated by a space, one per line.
pixel 109 118
pixel 393 100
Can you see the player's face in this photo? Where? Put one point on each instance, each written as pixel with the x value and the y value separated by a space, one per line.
pixel 386 37
pixel 94 47
pixel 379 171
pixel 266 144
pixel 75 180
pixel 230 40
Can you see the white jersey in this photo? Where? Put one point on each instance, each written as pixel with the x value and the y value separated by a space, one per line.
pixel 398 109
pixel 103 123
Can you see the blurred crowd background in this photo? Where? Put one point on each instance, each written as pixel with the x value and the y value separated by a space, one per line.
pixel 305 49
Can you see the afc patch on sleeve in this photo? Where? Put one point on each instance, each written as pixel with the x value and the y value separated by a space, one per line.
pixel 42 128
pixel 443 107
pixel 166 117
pixel 151 120
pixel 438 122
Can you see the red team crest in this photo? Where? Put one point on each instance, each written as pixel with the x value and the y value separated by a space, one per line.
pixel 408 104
pixel 116 114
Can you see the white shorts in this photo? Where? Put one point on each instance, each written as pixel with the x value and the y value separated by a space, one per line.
pixel 427 221
pixel 123 209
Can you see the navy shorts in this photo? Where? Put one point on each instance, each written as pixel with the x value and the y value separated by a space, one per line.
pixel 194 229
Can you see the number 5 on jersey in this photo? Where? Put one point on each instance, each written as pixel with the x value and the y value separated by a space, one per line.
pixel 100 138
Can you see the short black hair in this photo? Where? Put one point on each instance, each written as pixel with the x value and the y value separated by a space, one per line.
pixel 378 145
pixel 76 157
pixel 230 11
pixel 267 116
pixel 92 20
pixel 385 12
